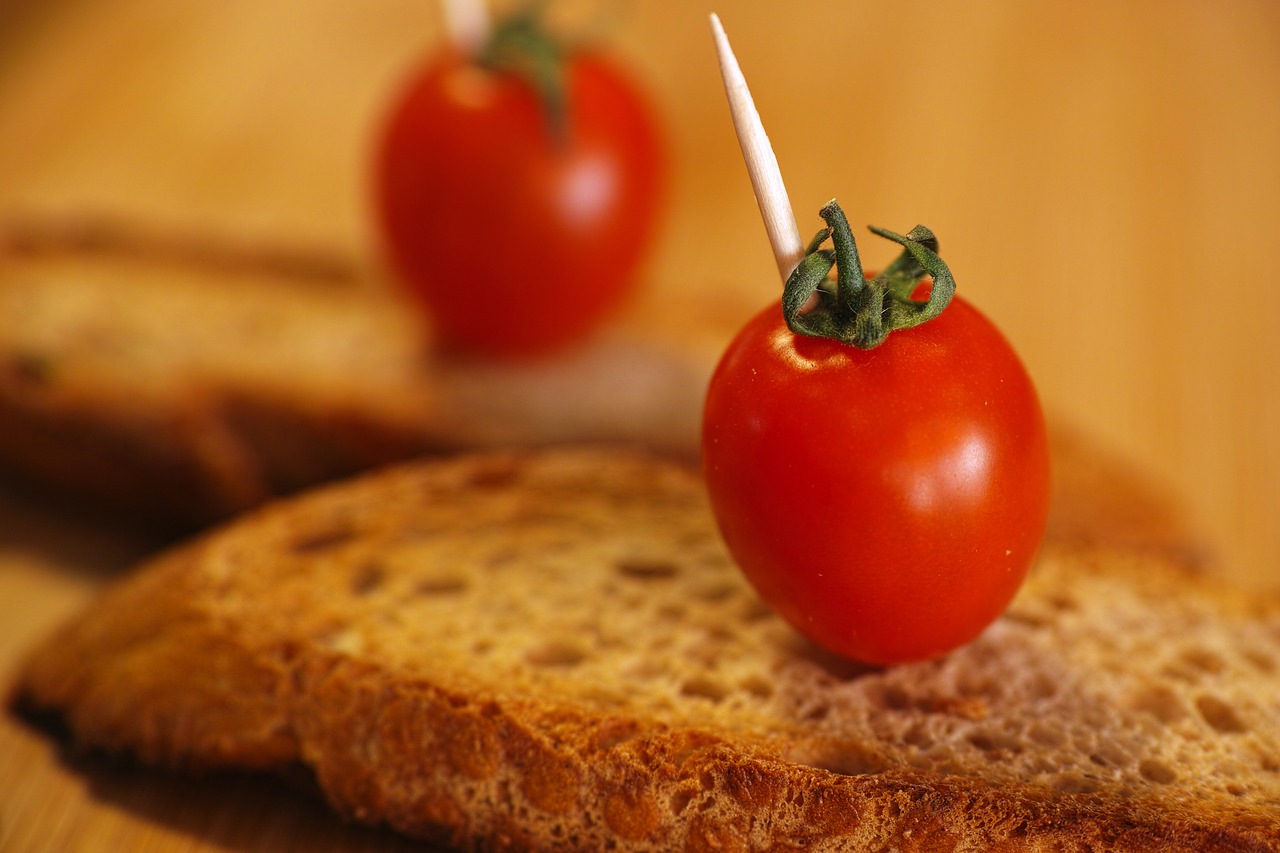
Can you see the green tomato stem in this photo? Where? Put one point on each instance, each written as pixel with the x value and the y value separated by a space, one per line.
pixel 521 45
pixel 856 310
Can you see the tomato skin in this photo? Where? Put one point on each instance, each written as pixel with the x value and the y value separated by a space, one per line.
pixel 886 502
pixel 514 240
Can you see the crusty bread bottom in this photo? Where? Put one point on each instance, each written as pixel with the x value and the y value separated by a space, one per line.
pixel 553 651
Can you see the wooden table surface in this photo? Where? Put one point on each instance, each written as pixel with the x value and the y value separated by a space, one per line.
pixel 1104 177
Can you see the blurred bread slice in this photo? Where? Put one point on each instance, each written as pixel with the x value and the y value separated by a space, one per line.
pixel 551 650
pixel 189 378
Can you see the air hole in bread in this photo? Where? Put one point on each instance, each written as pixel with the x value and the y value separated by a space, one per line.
pixel 1261 661
pixel 501 559
pixel 704 687
pixel 1220 715
pixel 919 737
pixel 644 569
pixel 715 593
pixel 834 666
pixel 1070 783
pixel 1203 660
pixel 1063 603
pixel 1048 736
pixel 894 698
pixel 854 760
pixel 722 632
pixel 995 742
pixel 816 713
pixel 977 685
pixel 1154 770
pixel 1160 702
pixel 368 579
pixel 557 653
pixel 671 613
pixel 1109 755
pixel 1043 687
pixel 680 800
pixel 756 611
pixel 315 541
pixel 756 686
pixel 1031 620
pixel 647 669
pixel 442 585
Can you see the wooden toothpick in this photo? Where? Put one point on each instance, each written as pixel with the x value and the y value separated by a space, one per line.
pixel 468 24
pixel 762 164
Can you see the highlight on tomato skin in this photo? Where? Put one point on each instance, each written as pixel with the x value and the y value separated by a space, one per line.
pixel 515 234
pixel 888 503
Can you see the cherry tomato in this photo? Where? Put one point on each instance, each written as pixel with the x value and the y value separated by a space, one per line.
pixel 886 502
pixel 517 235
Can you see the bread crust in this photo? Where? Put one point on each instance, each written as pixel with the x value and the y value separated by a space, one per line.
pixel 550 651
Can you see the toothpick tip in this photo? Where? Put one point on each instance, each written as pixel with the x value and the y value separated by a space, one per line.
pixel 717 32
pixel 762 165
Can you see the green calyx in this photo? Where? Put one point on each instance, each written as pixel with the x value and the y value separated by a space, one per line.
pixel 856 310
pixel 521 45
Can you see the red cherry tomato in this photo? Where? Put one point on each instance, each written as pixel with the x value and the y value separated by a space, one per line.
pixel 516 237
pixel 886 502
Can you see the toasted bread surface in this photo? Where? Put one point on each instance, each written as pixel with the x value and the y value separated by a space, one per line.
pixel 552 650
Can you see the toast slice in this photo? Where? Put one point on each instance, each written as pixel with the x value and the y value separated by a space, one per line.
pixel 551 650
pixel 186 379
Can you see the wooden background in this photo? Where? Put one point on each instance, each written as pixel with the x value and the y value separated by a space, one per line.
pixel 1104 176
